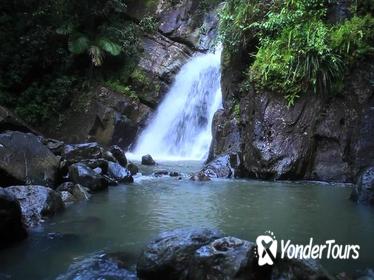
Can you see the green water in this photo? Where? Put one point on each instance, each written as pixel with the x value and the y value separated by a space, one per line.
pixel 126 217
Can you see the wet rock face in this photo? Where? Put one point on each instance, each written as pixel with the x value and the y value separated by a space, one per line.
pixel 11 226
pixel 37 202
pixel 321 137
pixel 106 117
pixel 81 174
pixel 169 256
pixel 364 191
pixel 25 160
pixel 189 22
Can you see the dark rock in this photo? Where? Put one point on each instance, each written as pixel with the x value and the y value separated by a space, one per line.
pixel 297 269
pixel 85 176
pixel 174 174
pixel 11 227
pixel 65 187
pixel 106 117
pixel 119 173
pixel 78 152
pixel 218 168
pixel 224 258
pixel 200 176
pixel 226 135
pixel 363 192
pixel 99 266
pixel 160 172
pixel 132 168
pixel 76 190
pixel 184 21
pixel 36 202
pixel 189 255
pixel 148 160
pixel 67 198
pixel 119 155
pixel 169 256
pixel 326 138
pixel 96 163
pixel 56 146
pixel 9 121
pixel 109 156
pixel 24 160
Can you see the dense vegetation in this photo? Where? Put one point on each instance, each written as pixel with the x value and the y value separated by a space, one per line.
pixel 51 49
pixel 298 46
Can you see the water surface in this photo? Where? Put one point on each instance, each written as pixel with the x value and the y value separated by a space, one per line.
pixel 126 217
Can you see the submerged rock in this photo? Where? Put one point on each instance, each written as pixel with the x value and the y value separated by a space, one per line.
pixel 36 202
pixel 148 160
pixel 11 226
pixel 363 192
pixel 160 172
pixel 169 256
pixel 119 173
pixel 25 160
pixel 133 168
pixel 200 176
pixel 85 176
pixel 174 174
pixel 99 266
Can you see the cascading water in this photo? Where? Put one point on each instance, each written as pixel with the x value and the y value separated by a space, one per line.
pixel 181 128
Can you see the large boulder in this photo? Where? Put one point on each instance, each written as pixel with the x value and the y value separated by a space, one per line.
pixel 79 152
pixel 81 174
pixel 224 258
pixel 133 168
pixel 205 254
pixel 99 266
pixel 25 160
pixel 119 173
pixel 363 192
pixel 11 226
pixel 169 256
pixel 37 202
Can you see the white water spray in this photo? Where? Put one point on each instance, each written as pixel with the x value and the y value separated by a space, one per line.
pixel 181 128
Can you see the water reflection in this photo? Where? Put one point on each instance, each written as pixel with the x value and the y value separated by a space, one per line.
pixel 126 217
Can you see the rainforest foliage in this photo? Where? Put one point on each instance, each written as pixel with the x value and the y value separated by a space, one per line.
pixel 298 46
pixel 52 48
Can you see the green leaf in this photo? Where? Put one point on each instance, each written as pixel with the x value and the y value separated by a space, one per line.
pixel 79 44
pixel 109 46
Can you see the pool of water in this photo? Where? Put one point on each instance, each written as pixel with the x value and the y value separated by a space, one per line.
pixel 126 217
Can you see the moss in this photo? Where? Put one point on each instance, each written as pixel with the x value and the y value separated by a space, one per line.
pixel 297 50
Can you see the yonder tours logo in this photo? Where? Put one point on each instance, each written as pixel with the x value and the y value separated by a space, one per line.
pixel 267 250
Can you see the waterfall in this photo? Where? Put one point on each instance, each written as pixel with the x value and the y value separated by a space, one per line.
pixel 181 127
